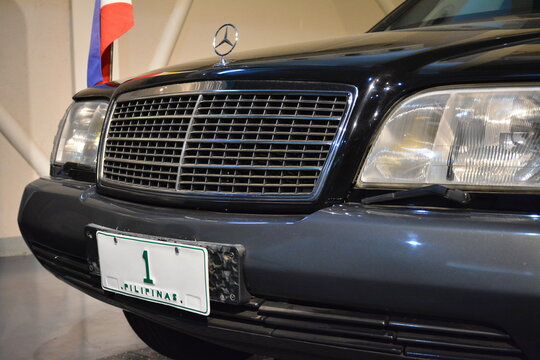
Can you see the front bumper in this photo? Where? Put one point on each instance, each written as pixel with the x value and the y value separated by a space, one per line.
pixel 469 267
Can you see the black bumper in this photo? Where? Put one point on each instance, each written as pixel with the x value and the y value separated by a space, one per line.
pixel 457 285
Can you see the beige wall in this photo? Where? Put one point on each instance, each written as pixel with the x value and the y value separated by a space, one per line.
pixel 35 88
pixel 39 71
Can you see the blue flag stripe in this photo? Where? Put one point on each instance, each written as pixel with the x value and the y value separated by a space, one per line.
pixel 94 74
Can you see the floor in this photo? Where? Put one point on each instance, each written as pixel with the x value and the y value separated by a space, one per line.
pixel 42 318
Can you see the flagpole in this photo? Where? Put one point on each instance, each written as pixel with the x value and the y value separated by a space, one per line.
pixel 111 62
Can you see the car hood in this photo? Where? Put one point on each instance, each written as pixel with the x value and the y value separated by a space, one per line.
pixel 355 60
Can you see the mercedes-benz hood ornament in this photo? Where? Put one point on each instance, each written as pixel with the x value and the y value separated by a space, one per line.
pixel 225 41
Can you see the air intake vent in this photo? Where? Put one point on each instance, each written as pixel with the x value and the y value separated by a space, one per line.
pixel 401 336
pixel 244 142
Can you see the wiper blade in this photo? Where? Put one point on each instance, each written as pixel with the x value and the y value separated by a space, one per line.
pixel 456 195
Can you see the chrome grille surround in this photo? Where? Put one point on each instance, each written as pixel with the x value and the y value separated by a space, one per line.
pixel 269 140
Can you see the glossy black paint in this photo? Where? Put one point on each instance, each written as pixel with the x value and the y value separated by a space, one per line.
pixel 385 67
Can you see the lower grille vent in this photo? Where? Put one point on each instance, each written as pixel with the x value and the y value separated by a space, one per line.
pixel 405 337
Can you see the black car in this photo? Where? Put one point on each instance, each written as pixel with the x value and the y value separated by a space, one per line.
pixel 372 197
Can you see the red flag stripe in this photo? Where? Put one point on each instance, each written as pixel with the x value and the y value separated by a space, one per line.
pixel 116 19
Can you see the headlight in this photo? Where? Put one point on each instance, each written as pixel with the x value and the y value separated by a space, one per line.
pixel 485 138
pixel 78 135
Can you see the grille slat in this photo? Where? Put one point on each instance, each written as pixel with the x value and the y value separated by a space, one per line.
pixel 162 172
pixel 267 116
pixel 114 153
pixel 122 131
pixel 255 108
pixel 140 162
pixel 255 167
pixel 126 138
pixel 143 178
pixel 203 132
pixel 117 118
pixel 250 158
pixel 242 142
pixel 276 125
pixel 228 116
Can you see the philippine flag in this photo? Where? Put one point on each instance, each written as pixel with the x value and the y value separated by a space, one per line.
pixel 112 18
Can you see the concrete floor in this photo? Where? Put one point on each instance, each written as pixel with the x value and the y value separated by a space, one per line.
pixel 42 318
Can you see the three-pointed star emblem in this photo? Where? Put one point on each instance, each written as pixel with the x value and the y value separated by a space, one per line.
pixel 225 40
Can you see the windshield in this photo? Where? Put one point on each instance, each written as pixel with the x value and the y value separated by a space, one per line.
pixel 423 13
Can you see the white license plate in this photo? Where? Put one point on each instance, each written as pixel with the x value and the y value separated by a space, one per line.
pixel 167 273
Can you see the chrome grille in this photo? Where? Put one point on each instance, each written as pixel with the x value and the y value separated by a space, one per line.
pixel 263 143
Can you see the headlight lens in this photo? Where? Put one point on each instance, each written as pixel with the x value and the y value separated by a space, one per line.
pixel 485 138
pixel 78 136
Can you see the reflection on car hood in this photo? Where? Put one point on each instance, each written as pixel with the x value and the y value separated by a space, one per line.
pixel 366 49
